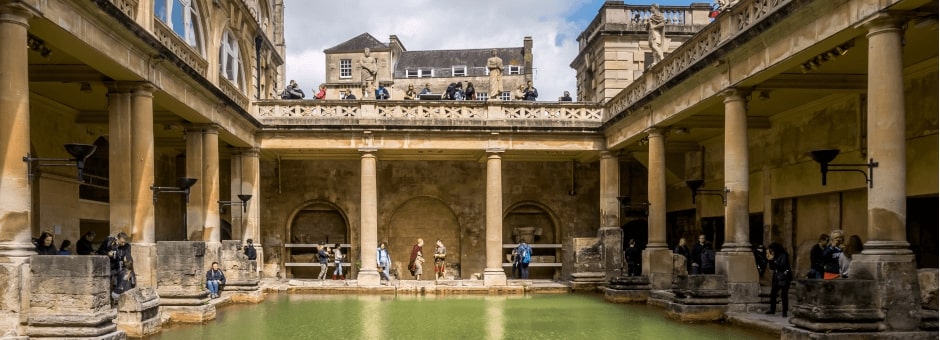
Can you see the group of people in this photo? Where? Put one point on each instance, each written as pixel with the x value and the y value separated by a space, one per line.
pixel 116 248
pixel 526 92
pixel 325 255
pixel 701 260
pixel 415 260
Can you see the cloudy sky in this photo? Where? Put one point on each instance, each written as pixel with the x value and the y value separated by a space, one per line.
pixel 313 26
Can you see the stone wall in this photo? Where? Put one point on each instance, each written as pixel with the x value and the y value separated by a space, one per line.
pixel 181 278
pixel 432 199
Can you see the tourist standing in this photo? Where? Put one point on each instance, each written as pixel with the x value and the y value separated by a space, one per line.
pixel 417 259
pixel 816 259
pixel 250 251
pixel 45 245
pixel 632 256
pixel 524 253
pixel 565 98
pixel 681 249
pixel 779 262
pixel 410 94
pixel 64 248
pixel 514 257
pixel 832 256
pixel 697 255
pixel 708 259
pixel 215 279
pixel 470 93
pixel 324 258
pixel 84 245
pixel 338 261
pixel 530 92
pixel 384 261
pixel 322 93
pixel 440 253
pixel 293 91
pixel 426 89
pixel 760 259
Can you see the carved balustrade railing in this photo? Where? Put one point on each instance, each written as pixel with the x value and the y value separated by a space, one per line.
pixel 234 93
pixel 180 48
pixel 726 27
pixel 424 113
pixel 679 19
pixel 128 7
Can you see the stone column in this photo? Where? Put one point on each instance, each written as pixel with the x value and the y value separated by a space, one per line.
pixel 251 185
pixel 195 215
pixel 368 223
pixel 657 258
pixel 493 274
pixel 235 188
pixel 121 204
pixel 886 257
pixel 142 231
pixel 735 260
pixel 210 184
pixel 15 199
pixel 610 234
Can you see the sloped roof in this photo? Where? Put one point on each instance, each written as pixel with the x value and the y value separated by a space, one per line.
pixel 359 43
pixel 474 59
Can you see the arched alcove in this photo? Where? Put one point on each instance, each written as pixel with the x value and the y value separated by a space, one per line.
pixel 430 219
pixel 535 223
pixel 311 224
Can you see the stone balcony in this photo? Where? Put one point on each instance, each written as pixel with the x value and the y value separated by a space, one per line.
pixel 425 114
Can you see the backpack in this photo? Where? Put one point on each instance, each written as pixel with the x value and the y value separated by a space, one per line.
pixel 526 254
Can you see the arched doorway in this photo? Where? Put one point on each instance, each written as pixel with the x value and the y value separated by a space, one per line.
pixel 637 230
pixel 532 222
pixel 430 219
pixel 315 222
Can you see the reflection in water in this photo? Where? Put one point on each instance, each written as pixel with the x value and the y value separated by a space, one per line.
pixel 570 316
pixel 494 317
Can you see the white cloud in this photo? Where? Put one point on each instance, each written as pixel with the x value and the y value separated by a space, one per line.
pixel 312 26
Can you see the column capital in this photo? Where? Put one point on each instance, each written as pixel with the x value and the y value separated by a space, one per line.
pixel 735 94
pixel 608 154
pixel 249 152
pixel 203 128
pixel 881 22
pixel 17 12
pixel 134 87
pixel 368 152
pixel 655 132
pixel 495 151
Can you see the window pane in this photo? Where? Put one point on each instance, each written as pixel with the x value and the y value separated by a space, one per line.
pixel 176 22
pixel 159 9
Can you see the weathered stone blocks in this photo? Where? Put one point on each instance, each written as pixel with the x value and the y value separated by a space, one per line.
pixel 628 289
pixel 70 298
pixel 241 274
pixel 181 282
pixel 699 298
pixel 139 312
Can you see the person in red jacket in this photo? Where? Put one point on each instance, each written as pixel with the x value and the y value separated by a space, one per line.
pixel 322 93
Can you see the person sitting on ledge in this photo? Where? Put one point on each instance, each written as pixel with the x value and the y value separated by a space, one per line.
pixel 215 279
pixel 250 251
pixel 122 265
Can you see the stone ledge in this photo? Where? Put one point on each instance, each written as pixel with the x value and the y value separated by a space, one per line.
pixel 793 333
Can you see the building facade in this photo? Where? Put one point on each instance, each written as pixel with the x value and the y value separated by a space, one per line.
pixel 398 68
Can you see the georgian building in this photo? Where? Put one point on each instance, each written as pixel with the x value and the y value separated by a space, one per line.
pixel 398 67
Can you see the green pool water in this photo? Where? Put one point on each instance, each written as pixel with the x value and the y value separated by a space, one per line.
pixel 573 316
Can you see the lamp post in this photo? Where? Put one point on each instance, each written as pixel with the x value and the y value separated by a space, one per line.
pixel 79 152
pixel 695 184
pixel 824 157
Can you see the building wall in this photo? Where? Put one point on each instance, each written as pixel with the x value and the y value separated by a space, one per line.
pixel 431 200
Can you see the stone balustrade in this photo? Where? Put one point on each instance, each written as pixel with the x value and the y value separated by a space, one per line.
pixel 616 17
pixel 428 113
pixel 180 48
pixel 699 50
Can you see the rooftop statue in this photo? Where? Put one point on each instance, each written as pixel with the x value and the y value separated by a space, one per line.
pixel 368 69
pixel 657 33
pixel 495 65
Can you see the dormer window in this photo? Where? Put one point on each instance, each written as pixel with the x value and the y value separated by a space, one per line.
pixel 459 71
pixel 514 69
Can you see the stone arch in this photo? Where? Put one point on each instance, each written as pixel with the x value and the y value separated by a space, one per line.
pixel 538 224
pixel 313 222
pixel 430 219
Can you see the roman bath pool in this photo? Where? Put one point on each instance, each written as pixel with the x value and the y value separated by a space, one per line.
pixel 569 316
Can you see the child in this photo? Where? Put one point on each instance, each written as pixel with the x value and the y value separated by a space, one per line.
pixel 338 261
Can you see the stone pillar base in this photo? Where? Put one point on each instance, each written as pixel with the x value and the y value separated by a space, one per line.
pixel 186 306
pixel 243 291
pixel 139 312
pixel 493 277
pixel 658 266
pixel 743 282
pixel 368 277
pixel 898 288
pixel 145 263
pixel 587 282
pixel 699 298
pixel 628 289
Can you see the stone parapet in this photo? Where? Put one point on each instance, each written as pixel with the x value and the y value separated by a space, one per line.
pixel 241 274
pixel 587 281
pixel 139 312
pixel 181 281
pixel 69 297
pixel 843 305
